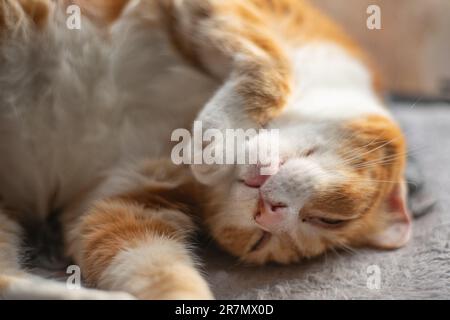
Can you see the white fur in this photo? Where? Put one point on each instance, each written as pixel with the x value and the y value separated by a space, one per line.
pixel 132 270
pixel 331 84
pixel 73 104
pixel 31 288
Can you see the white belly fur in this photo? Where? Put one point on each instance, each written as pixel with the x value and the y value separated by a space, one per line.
pixel 73 106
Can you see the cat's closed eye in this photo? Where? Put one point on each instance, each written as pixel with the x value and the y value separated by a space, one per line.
pixel 309 152
pixel 325 222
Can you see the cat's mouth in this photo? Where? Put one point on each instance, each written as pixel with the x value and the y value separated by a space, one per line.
pixel 261 242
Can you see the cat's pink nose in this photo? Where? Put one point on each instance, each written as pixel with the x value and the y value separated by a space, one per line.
pixel 270 216
pixel 256 181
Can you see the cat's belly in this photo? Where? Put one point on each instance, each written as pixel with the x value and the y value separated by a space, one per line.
pixel 73 106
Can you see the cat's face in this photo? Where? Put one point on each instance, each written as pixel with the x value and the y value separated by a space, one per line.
pixel 336 186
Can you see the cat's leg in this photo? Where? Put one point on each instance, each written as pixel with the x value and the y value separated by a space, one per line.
pixel 232 41
pixel 134 237
pixel 16 283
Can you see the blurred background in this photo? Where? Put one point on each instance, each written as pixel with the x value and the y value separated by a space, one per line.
pixel 412 48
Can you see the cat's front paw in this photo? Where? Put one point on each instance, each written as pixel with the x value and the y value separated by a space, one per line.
pixel 210 174
pixel 219 137
pixel 209 165
pixel 233 150
pixel 209 161
pixel 173 282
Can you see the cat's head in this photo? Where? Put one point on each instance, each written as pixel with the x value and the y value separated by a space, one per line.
pixel 336 186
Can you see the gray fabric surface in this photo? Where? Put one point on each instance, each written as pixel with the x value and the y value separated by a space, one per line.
pixel 421 270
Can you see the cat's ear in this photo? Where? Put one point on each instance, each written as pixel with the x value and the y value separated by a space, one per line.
pixel 397 221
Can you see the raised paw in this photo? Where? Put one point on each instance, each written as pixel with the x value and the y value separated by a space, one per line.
pixel 220 122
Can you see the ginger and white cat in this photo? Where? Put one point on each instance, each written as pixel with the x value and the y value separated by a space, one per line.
pixel 86 118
